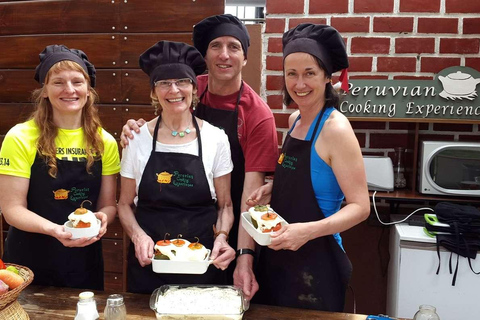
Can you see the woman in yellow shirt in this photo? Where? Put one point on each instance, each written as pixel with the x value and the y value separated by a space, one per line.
pixel 50 164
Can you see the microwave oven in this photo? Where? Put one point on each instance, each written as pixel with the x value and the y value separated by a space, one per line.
pixel 450 168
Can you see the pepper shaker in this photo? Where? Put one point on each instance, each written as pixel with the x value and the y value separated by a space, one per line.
pixel 115 308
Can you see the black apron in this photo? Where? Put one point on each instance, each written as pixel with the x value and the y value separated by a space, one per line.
pixel 228 121
pixel 316 275
pixel 182 206
pixel 52 263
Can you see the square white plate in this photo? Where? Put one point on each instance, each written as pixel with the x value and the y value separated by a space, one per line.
pixel 185 267
pixel 261 238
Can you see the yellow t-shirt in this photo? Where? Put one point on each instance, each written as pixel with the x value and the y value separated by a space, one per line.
pixel 19 149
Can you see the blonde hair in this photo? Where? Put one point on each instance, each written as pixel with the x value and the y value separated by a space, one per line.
pixel 155 103
pixel 43 117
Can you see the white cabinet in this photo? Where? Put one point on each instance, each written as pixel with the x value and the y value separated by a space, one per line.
pixel 412 278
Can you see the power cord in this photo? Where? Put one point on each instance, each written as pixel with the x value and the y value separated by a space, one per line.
pixel 395 222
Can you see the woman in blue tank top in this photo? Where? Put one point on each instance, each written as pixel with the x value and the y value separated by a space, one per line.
pixel 320 165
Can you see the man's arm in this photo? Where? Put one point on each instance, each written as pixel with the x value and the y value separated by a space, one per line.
pixel 243 275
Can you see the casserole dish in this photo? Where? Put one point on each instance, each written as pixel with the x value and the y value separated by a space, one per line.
pixel 188 302
pixel 181 266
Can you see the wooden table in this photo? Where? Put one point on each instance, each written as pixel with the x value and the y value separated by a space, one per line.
pixel 59 303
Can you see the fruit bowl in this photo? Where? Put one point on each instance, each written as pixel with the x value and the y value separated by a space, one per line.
pixel 9 306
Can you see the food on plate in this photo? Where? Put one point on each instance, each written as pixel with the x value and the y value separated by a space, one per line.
pixel 180 250
pixel 200 301
pixel 2 265
pixel 3 287
pixel 265 219
pixel 82 217
pixel 12 279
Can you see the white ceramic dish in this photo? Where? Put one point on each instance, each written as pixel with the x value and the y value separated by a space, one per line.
pixel 261 238
pixel 78 233
pixel 198 302
pixel 181 266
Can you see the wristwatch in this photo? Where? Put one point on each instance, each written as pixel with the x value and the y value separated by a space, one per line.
pixel 245 251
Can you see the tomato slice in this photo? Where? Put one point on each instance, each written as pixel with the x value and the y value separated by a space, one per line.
pixel 2 265
pixel 178 242
pixel 195 246
pixel 267 230
pixel 269 216
pixel 163 242
pixel 277 227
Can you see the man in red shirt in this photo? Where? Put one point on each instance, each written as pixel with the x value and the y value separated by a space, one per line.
pixel 226 101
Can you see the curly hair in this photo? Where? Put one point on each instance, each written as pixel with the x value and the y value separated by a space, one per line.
pixel 332 97
pixel 43 117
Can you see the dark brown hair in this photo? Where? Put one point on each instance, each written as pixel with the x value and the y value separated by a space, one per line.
pixel 332 97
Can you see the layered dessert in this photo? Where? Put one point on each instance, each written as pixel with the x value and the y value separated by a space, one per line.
pixel 265 219
pixel 82 217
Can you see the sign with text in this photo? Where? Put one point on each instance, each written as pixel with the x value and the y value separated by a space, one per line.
pixel 452 94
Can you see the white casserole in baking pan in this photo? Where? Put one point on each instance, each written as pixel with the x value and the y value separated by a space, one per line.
pixel 190 302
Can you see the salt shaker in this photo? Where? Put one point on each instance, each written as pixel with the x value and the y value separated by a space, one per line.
pixel 86 307
pixel 426 312
pixel 115 308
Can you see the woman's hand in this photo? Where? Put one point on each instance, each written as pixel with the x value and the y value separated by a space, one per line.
pixel 131 125
pixel 104 221
pixel 243 276
pixel 290 237
pixel 222 254
pixel 262 195
pixel 59 233
pixel 144 247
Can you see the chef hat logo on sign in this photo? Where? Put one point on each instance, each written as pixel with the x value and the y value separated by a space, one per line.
pixel 458 85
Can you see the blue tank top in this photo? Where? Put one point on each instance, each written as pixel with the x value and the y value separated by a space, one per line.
pixel 327 190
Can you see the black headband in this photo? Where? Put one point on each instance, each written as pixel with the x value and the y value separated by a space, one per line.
pixel 56 53
pixel 218 26
pixel 171 60
pixel 321 41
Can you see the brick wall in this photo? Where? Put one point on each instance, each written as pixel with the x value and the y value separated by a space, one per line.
pixel 388 39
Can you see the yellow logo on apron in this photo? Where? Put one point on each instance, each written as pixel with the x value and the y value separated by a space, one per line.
pixel 60 194
pixel 280 158
pixel 164 177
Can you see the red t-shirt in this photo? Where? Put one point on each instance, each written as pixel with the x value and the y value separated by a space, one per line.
pixel 256 126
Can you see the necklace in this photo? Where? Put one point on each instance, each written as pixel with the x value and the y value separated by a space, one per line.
pixel 175 133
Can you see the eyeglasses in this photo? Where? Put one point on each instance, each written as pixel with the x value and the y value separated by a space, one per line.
pixel 180 83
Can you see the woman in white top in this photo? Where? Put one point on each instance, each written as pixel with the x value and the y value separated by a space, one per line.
pixel 176 172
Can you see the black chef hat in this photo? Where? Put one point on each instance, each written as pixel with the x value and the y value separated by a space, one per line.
pixel 172 60
pixel 218 26
pixel 321 41
pixel 56 53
